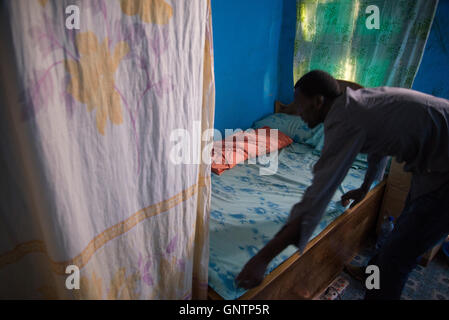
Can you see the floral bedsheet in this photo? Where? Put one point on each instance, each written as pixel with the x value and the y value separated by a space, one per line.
pixel 247 209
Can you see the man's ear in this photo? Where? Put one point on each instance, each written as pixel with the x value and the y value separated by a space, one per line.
pixel 319 101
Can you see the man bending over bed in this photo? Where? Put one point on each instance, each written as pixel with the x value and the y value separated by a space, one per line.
pixel 384 121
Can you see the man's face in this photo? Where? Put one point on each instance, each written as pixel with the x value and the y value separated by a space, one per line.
pixel 309 109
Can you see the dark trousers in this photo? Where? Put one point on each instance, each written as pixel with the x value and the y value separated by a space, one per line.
pixel 422 224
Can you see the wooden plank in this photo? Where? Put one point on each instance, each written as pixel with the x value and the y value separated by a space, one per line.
pixel 396 191
pixel 279 107
pixel 397 177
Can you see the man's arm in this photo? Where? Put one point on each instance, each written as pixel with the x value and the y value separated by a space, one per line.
pixel 253 272
pixel 375 171
pixel 341 146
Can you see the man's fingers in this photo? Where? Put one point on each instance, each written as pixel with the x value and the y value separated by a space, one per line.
pixel 242 280
pixel 351 193
pixel 248 283
pixel 244 283
pixel 248 279
pixel 354 203
pixel 240 277
pixel 347 196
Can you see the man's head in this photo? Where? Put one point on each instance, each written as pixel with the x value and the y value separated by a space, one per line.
pixel 314 94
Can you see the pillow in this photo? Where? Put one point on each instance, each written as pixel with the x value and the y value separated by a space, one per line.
pixel 237 148
pixel 293 126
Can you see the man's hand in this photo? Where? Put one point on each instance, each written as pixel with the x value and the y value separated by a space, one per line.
pixel 357 195
pixel 252 273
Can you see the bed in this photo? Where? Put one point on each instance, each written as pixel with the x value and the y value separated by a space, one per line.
pixel 247 209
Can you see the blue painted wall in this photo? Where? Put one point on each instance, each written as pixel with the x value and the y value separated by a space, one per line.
pixel 253 53
pixel 433 73
pixel 286 50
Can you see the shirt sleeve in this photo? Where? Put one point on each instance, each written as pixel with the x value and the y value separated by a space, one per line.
pixel 341 146
pixel 376 169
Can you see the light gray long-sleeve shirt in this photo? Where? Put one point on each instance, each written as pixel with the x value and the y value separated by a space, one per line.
pixel 384 121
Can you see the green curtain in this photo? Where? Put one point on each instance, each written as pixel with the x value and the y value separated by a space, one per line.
pixel 332 35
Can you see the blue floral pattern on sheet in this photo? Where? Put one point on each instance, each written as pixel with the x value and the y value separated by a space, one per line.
pixel 247 209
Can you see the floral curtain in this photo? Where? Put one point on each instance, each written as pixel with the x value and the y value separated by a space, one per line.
pixel 344 38
pixel 87 180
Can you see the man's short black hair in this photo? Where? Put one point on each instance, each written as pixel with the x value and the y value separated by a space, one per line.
pixel 318 82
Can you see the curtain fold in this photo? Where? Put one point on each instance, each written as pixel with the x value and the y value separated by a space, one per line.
pixel 88 177
pixel 333 36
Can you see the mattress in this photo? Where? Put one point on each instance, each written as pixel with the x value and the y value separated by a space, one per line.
pixel 248 209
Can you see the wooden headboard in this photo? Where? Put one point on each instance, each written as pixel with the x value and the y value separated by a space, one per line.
pixel 279 107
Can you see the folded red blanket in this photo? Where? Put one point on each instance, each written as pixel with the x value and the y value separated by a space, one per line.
pixel 237 148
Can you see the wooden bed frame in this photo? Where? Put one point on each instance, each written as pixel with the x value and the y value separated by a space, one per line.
pixel 307 275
